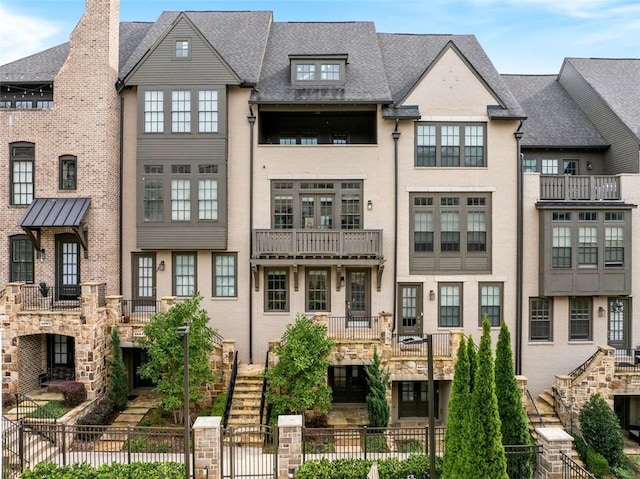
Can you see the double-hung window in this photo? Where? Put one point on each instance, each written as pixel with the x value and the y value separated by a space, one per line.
pixel 154 111
pixel 22 160
pixel 450 305
pixel 317 290
pixel 225 274
pixel 491 303
pixel 450 145
pixel 276 290
pixel 181 111
pixel 153 199
pixel 613 239
pixel 184 274
pixel 540 319
pixel 207 111
pixel 180 193
pixel 21 266
pixel 580 319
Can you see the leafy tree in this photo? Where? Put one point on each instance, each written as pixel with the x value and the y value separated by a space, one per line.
pixel 377 404
pixel 166 353
pixel 489 461
pixel 515 426
pixel 601 430
pixel 458 450
pixel 473 361
pixel 297 381
pixel 117 390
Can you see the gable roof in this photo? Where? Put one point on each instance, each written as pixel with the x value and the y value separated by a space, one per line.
pixel 553 118
pixel 44 65
pixel 408 56
pixel 239 37
pixel 617 82
pixel 365 73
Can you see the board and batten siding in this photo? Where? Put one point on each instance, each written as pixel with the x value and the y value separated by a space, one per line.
pixel 623 154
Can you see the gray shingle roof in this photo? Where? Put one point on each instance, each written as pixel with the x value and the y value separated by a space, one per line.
pixel 365 73
pixel 407 56
pixel 617 81
pixel 44 65
pixel 553 117
pixel 240 37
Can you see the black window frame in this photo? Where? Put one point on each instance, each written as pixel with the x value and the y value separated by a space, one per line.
pixel 66 181
pixel 16 274
pixel 15 159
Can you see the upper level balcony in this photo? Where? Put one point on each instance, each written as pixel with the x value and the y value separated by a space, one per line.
pixel 314 243
pixel 580 188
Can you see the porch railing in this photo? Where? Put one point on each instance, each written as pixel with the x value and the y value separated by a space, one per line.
pixel 139 310
pixel 627 360
pixel 302 242
pixel 574 187
pixel 440 341
pixel 50 298
pixel 353 327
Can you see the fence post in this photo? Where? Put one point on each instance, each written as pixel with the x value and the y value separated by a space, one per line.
pixel 64 444
pixel 554 440
pixel 21 444
pixel 289 444
pixel 207 435
pixel 128 444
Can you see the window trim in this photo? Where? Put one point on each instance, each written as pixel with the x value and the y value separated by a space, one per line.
pixel 12 162
pixel 174 256
pixel 462 144
pixel 589 304
pixel 317 62
pixel 71 159
pixel 187 49
pixel 327 291
pixel 460 287
pixel 287 289
pixel 500 306
pixel 13 240
pixel 549 303
pixel 214 278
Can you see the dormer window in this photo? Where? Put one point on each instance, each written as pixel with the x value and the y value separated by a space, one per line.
pixel 182 49
pixel 324 70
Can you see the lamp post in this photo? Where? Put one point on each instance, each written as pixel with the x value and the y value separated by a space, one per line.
pixel 431 398
pixel 184 332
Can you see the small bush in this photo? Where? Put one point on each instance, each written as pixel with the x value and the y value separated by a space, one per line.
pixel 411 446
pixel 601 430
pixel 596 463
pixel 317 420
pixel 375 443
pixel 416 466
pixel 74 393
pixel 147 470
pixel 218 404
pixel 102 414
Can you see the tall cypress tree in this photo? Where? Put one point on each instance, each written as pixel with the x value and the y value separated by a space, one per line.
pixel 117 391
pixel 473 361
pixel 489 461
pixel 515 427
pixel 377 405
pixel 458 450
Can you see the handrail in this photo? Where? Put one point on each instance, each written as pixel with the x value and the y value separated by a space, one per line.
pixel 571 469
pixel 535 408
pixel 232 385
pixel 583 367
pixel 12 429
pixel 263 395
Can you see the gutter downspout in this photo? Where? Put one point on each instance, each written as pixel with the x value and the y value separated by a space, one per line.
pixel 252 121
pixel 120 201
pixel 396 137
pixel 519 252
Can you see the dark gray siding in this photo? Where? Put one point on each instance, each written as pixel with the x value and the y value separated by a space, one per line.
pixel 597 159
pixel 623 155
pixel 179 237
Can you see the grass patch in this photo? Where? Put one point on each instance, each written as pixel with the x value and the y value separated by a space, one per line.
pixel 50 409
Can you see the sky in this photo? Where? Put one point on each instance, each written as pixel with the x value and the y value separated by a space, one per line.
pixel 519 36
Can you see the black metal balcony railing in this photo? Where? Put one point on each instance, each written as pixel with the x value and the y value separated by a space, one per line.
pixel 303 242
pixel 139 310
pixel 440 341
pixel 627 360
pixel 580 188
pixel 353 327
pixel 50 298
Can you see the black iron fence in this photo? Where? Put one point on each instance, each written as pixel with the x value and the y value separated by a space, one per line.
pixel 139 310
pixel 416 346
pixel 519 457
pixel 573 470
pixel 29 442
pixel 353 327
pixel 627 360
pixel 43 297
pixel 368 442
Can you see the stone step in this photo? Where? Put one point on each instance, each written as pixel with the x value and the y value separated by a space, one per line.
pixel 245 403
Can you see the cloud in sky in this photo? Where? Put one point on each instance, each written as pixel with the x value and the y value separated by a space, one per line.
pixel 22 35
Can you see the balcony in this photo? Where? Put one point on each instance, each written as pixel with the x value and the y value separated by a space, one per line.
pixel 55 298
pixel 139 310
pixel 305 243
pixel 580 188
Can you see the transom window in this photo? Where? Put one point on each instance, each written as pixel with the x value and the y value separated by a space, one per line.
pixel 22 158
pixel 580 319
pixel 225 275
pixel 540 319
pixel 317 204
pixel 450 145
pixel 276 289
pixel 446 224
pixel 153 111
pixel 450 305
pixel 491 303
pixel 184 274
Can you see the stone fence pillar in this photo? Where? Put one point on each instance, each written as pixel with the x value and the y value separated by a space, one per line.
pixel 554 441
pixel 207 449
pixel 289 444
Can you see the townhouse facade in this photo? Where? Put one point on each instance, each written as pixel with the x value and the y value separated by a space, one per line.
pixel 389 185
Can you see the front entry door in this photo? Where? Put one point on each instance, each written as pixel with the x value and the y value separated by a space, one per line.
pixel 348 384
pixel 358 291
pixel 414 399
pixel 618 329
pixel 144 279
pixel 67 267
pixel 410 312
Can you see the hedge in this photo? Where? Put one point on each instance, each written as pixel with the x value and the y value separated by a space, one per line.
pixel 416 466
pixel 137 470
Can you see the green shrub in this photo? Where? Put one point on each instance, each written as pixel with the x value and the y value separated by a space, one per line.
pixel 139 470
pixel 411 446
pixel 596 463
pixel 416 466
pixel 74 393
pixel 144 444
pixel 375 443
pixel 102 414
pixel 218 404
pixel 601 430
pixel 49 409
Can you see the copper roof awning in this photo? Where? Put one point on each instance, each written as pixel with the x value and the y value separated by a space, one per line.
pixel 56 213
